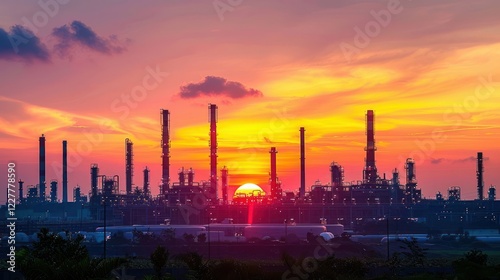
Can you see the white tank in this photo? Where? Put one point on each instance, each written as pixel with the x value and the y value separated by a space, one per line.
pixel 277 231
pixel 336 229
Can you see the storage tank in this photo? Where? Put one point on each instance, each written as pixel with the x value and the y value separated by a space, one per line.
pixel 277 231
pixel 336 229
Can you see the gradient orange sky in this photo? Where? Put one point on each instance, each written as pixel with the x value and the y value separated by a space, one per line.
pixel 430 73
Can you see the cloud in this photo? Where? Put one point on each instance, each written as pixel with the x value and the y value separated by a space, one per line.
pixel 79 34
pixel 437 160
pixel 20 44
pixel 217 86
pixel 470 159
pixel 460 160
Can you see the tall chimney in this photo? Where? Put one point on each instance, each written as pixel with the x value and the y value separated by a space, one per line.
pixel 224 183
pixel 302 191
pixel 213 150
pixel 479 175
pixel 274 179
pixel 370 174
pixel 146 180
pixel 65 172
pixel 42 167
pixel 94 174
pixel 128 165
pixel 21 197
pixel 395 186
pixel 165 156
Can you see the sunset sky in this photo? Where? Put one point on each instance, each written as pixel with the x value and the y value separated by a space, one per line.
pixel 97 72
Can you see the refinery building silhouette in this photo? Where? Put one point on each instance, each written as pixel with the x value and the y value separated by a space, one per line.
pixel 184 200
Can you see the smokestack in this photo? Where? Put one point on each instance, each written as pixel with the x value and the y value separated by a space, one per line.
pixel 395 186
pixel 94 174
pixel 479 175
pixel 395 177
pixel 21 197
pixel 42 167
pixel 213 149
pixel 337 180
pixel 53 191
pixel 274 179
pixel 302 191
pixel 182 177
pixel 411 177
pixel 190 174
pixel 77 196
pixel 146 180
pixel 491 193
pixel 411 181
pixel 128 165
pixel 224 183
pixel 65 171
pixel 337 174
pixel 370 174
pixel 165 156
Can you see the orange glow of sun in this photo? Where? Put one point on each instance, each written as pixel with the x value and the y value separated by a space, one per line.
pixel 249 189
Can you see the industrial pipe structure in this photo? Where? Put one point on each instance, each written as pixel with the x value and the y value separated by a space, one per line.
pixel 275 190
pixel 337 174
pixel 213 149
pixel 190 176
pixel 41 161
pixel 224 183
pixel 165 156
pixel 129 168
pixel 479 175
pixel 302 191
pixel 146 181
pixel 53 191
pixel 337 180
pixel 65 171
pixel 411 180
pixel 21 197
pixel 370 172
pixel 94 174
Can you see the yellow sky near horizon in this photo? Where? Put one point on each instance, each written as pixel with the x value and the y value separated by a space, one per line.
pixel 432 81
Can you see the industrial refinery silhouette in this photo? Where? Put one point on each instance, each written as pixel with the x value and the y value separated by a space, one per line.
pixel 192 206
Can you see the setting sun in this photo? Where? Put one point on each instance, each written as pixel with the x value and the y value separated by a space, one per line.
pixel 249 189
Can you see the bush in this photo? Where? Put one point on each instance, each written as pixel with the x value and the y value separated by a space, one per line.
pixel 55 257
pixel 159 260
pixel 202 237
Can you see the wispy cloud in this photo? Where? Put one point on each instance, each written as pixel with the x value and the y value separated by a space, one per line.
pixel 437 160
pixel 469 159
pixel 21 117
pixel 460 160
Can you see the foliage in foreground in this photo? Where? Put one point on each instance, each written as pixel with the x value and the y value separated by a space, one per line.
pixel 474 265
pixel 56 257
pixel 159 259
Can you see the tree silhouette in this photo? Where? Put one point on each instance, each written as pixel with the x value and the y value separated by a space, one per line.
pixel 159 260
pixel 202 237
pixel 55 257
